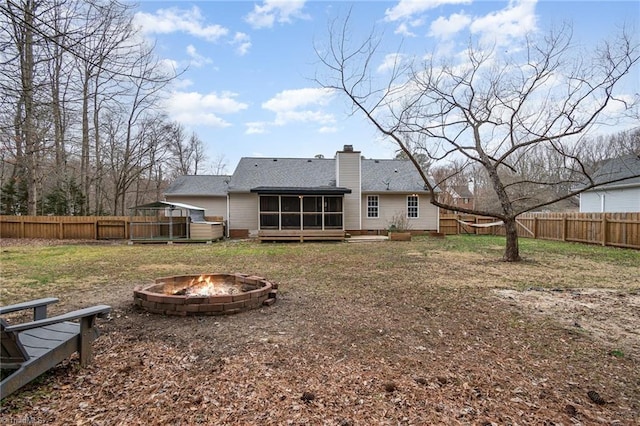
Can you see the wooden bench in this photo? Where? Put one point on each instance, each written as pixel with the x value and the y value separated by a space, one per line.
pixel 301 235
pixel 35 347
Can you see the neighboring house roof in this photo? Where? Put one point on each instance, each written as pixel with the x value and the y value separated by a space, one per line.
pixel 625 171
pixel 319 174
pixel 199 185
pixel 461 191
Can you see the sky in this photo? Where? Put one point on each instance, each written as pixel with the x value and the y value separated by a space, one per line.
pixel 248 86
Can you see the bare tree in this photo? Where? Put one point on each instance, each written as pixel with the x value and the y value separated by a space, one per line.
pixel 219 165
pixel 490 110
pixel 79 64
pixel 188 152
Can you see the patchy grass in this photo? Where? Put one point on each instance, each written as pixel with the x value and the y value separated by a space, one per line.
pixel 533 249
pixel 432 331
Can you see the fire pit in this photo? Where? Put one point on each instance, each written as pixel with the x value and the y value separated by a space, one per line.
pixel 211 294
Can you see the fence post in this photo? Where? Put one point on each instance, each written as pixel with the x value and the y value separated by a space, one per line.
pixel 564 227
pixel 535 227
pixel 22 227
pixel 61 230
pixel 604 229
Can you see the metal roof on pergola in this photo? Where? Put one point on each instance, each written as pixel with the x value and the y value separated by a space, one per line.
pixel 161 205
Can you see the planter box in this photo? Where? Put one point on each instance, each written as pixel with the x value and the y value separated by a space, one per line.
pixel 400 236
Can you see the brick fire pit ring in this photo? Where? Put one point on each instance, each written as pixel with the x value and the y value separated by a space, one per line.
pixel 206 294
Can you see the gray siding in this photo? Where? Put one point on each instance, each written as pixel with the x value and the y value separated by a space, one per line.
pixel 611 201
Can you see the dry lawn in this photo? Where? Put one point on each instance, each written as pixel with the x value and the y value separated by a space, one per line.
pixel 378 333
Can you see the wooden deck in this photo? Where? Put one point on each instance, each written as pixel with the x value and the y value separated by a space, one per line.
pixel 301 235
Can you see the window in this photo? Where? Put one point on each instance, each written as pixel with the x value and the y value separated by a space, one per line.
pixel 290 217
pixel 412 206
pixel 333 204
pixel 372 206
pixel 269 212
pixel 269 203
pixel 300 212
pixel 312 212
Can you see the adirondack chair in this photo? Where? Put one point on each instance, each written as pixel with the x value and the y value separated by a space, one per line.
pixel 32 348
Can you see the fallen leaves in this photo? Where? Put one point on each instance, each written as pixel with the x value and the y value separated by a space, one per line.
pixel 381 339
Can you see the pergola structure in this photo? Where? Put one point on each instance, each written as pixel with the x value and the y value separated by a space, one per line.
pixel 163 221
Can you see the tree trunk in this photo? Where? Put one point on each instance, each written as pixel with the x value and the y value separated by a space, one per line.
pixel 26 72
pixel 511 251
pixel 84 153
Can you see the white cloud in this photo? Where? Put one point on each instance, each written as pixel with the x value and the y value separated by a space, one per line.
pixel 256 128
pixel 327 129
pixel 272 11
pixel 446 27
pixel 181 83
pixel 169 65
pixel 308 116
pixel 189 21
pixel 391 61
pixel 289 100
pixel 296 106
pixel 403 30
pixel 406 9
pixel 242 42
pixel 198 109
pixel 499 27
pixel 197 60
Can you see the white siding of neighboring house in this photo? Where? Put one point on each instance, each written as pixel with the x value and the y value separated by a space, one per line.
pixel 349 175
pixel 611 200
pixel 243 212
pixel 214 206
pixel 391 205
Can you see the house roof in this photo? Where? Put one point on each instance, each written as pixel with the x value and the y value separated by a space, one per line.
pixel 319 174
pixel 390 175
pixel 253 172
pixel 199 185
pixel 624 171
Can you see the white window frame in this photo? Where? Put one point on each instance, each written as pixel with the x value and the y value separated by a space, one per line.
pixel 369 206
pixel 411 206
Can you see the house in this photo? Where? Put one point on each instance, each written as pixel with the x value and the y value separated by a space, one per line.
pixel 622 195
pixel 459 196
pixel 313 198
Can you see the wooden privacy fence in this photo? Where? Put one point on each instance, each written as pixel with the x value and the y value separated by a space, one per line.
pixel 90 227
pixel 607 229
pixel 65 227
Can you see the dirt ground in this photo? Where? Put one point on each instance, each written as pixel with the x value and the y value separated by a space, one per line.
pixel 421 336
pixel 611 317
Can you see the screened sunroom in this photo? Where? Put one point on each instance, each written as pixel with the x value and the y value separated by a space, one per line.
pixel 301 213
